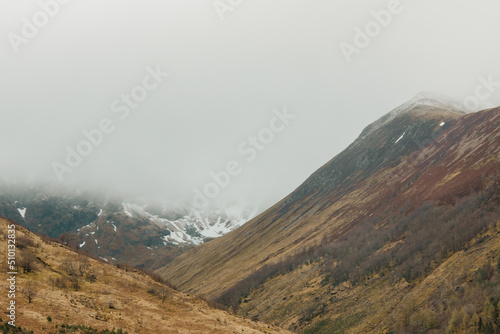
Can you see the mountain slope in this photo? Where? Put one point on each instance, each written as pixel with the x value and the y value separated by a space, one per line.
pixel 114 229
pixel 456 293
pixel 324 202
pixel 69 288
pixel 422 158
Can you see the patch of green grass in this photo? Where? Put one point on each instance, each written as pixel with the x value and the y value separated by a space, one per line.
pixel 6 328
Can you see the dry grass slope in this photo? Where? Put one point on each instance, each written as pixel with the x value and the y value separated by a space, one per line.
pixel 429 211
pixel 468 147
pixel 73 289
pixel 298 300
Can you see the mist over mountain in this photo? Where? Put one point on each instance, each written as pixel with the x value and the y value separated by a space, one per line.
pixel 136 231
pixel 224 80
pixel 230 166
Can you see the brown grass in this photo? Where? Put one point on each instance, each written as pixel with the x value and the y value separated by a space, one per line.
pixel 116 298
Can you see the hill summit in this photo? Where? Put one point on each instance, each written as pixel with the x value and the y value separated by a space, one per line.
pixel 371 240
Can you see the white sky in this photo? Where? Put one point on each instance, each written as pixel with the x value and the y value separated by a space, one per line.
pixel 225 79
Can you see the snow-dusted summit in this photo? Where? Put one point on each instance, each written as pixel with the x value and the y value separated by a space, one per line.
pixel 427 100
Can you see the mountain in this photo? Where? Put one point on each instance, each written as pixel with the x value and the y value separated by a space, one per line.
pixel 117 230
pixel 412 200
pixel 61 291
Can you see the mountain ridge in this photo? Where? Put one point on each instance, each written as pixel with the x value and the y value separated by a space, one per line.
pixel 442 157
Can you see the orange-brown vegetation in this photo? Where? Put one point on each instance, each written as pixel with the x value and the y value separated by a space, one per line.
pixel 366 241
pixel 60 291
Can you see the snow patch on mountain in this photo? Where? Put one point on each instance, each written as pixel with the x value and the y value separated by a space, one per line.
pixel 400 138
pixel 125 210
pixel 172 222
pixel 84 227
pixel 193 226
pixel 22 212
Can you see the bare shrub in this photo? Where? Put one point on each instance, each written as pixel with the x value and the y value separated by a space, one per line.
pixel 29 291
pixel 75 282
pixel 23 242
pixel 164 293
pixel 68 239
pixel 58 282
pixel 27 261
pixel 83 265
pixel 68 266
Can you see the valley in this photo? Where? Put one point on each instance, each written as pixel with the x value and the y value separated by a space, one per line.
pixel 399 233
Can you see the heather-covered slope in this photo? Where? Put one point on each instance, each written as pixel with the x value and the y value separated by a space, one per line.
pixel 328 202
pixel 422 159
pixel 456 293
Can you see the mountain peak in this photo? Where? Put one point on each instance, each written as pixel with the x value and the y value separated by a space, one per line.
pixel 424 101
pixel 383 217
pixel 433 99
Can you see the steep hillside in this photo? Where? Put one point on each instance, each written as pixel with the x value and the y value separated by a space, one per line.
pixel 456 295
pixel 416 187
pixel 71 293
pixel 328 202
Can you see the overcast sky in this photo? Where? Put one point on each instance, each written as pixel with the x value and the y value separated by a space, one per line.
pixel 233 66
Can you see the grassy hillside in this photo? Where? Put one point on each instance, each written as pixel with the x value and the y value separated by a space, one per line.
pixel 370 242
pixel 452 296
pixel 437 163
pixel 71 293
